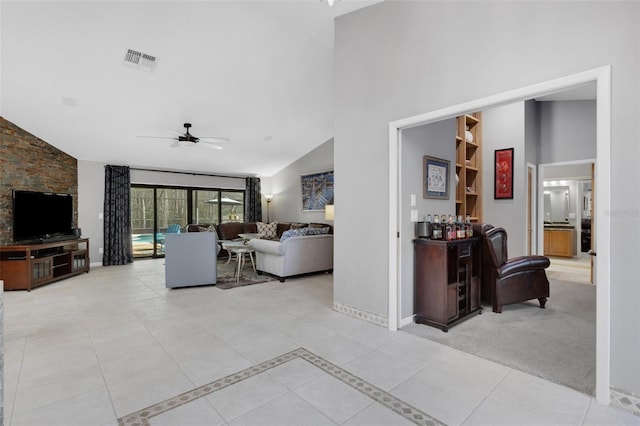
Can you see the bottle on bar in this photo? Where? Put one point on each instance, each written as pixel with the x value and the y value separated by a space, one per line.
pixel 461 231
pixel 450 229
pixel 436 228
pixel 469 227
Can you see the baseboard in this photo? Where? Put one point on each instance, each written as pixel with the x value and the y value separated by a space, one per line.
pixel 95 264
pixel 361 314
pixel 406 321
pixel 630 401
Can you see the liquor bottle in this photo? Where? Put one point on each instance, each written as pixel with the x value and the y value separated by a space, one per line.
pixel 469 227
pixel 450 229
pixel 461 231
pixel 436 229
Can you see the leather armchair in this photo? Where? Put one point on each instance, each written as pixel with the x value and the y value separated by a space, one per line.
pixel 506 281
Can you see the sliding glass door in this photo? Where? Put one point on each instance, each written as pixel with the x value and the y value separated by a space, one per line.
pixel 143 202
pixel 171 213
pixel 158 210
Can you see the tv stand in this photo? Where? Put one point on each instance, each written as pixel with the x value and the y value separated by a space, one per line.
pixel 23 267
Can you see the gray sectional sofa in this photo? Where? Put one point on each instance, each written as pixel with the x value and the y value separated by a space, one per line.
pixel 295 256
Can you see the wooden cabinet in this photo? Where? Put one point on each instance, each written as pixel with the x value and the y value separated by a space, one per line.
pixel 469 166
pixel 23 267
pixel 559 242
pixel 447 281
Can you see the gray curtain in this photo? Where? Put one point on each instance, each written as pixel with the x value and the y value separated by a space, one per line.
pixel 253 201
pixel 117 216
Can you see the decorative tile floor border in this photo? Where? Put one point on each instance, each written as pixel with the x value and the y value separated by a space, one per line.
pixel 627 400
pixel 361 314
pixel 141 417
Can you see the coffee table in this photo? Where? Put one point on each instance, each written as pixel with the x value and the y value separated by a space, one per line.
pixel 249 236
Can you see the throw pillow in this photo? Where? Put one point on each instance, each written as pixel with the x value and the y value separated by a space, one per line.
pixel 210 228
pixel 269 231
pixel 298 225
pixel 317 231
pixel 293 233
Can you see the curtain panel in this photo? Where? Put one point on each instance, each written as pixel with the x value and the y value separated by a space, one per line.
pixel 118 248
pixel 253 200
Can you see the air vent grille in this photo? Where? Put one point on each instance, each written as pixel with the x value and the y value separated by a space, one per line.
pixel 142 61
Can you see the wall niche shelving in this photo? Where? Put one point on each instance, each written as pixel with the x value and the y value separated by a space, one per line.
pixel 469 166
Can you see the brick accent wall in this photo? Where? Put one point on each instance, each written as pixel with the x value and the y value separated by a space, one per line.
pixel 29 163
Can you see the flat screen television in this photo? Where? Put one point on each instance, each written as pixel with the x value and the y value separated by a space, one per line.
pixel 42 216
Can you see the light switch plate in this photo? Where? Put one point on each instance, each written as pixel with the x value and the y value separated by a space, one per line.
pixel 413 200
pixel 414 215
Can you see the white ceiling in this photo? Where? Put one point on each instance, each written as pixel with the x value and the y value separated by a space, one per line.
pixel 259 73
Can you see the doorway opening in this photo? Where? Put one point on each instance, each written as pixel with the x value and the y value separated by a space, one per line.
pixel 602 78
pixel 567 201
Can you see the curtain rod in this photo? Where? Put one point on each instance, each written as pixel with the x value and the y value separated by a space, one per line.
pixel 189 173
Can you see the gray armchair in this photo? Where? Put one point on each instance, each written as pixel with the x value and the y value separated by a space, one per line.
pixel 190 259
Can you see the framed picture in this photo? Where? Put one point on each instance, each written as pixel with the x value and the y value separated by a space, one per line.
pixel 317 190
pixel 435 178
pixel 503 187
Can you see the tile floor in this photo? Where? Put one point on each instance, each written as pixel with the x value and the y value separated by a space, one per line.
pixel 99 347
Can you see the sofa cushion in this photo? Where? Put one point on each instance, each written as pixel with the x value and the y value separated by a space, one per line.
pixel 293 233
pixel 318 231
pixel 282 226
pixel 269 231
pixel 230 230
pixel 210 228
pixel 266 246
pixel 250 227
pixel 296 225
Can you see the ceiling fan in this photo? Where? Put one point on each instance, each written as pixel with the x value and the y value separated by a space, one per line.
pixel 186 138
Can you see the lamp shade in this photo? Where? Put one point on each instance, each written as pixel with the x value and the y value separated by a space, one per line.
pixel 328 212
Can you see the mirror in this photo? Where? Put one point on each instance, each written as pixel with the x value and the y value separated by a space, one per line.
pixel 556 204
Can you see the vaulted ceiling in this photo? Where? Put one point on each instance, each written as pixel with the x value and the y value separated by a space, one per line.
pixel 259 73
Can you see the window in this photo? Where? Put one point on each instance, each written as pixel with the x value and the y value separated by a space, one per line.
pixel 158 209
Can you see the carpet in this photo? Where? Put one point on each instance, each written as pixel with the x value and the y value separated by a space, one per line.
pixel 226 279
pixel 557 344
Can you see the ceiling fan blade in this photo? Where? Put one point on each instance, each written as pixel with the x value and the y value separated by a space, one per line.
pixel 211 145
pixel 155 137
pixel 214 139
pixel 175 144
pixel 176 132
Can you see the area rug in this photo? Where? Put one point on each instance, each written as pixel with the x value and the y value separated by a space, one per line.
pixel 226 275
pixel 557 343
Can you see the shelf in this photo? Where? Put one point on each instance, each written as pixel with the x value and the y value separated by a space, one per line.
pixel 470 120
pixel 469 165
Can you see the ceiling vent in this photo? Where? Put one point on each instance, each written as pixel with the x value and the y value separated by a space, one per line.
pixel 142 61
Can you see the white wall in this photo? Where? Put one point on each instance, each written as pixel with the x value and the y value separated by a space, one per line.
pixel 567 131
pixel 399 59
pixel 287 193
pixel 435 140
pixel 532 132
pixel 90 206
pixel 503 127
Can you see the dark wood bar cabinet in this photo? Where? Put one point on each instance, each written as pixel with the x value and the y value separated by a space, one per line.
pixel 447 281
